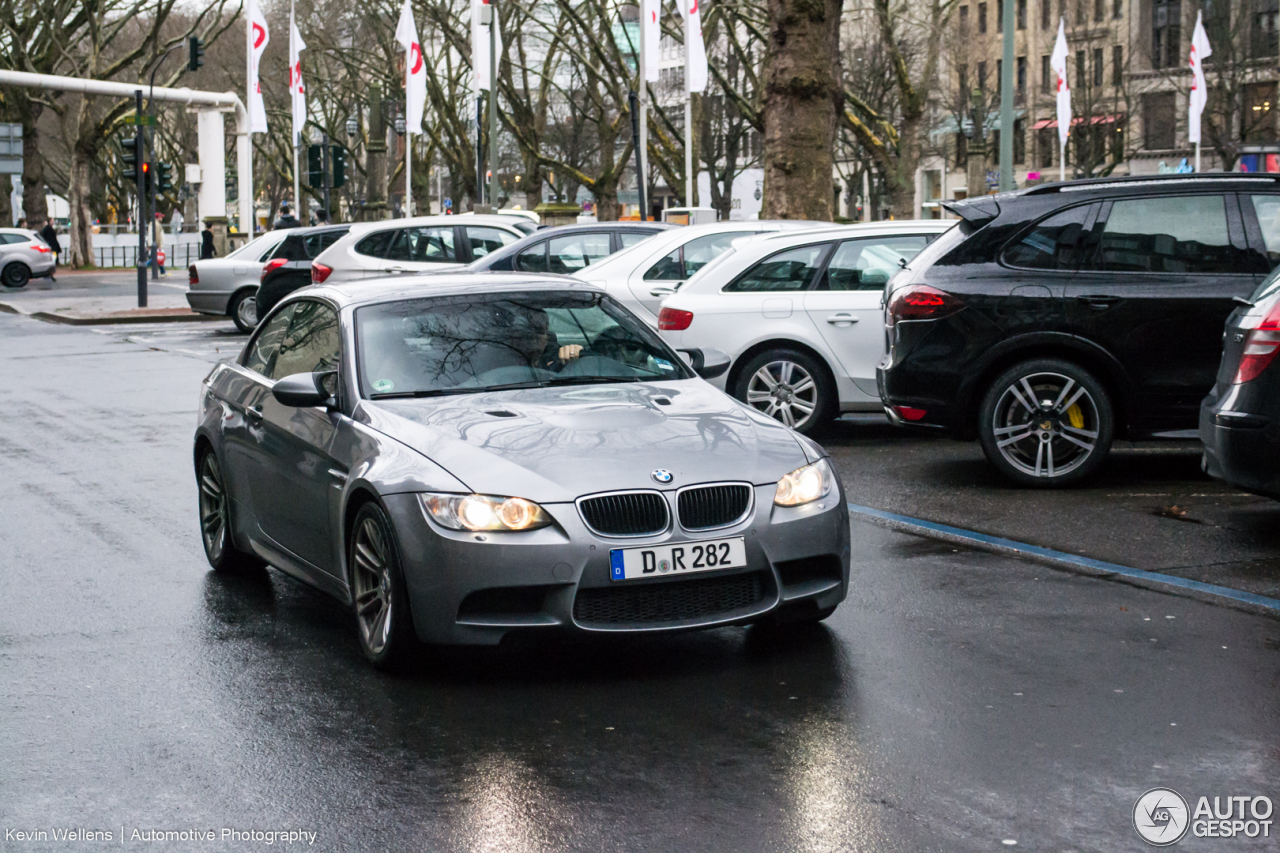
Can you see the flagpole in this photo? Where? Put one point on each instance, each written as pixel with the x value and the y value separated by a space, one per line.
pixel 493 105
pixel 1197 156
pixel 642 107
pixel 688 117
pixel 1062 162
pixel 408 135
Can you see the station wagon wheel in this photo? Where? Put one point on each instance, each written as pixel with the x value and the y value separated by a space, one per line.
pixel 377 589
pixel 244 311
pixel 788 386
pixel 215 520
pixel 1046 423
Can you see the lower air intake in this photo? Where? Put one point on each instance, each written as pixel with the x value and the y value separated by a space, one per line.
pixel 677 601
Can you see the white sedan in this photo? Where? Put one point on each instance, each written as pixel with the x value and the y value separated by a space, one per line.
pixel 799 315
pixel 641 276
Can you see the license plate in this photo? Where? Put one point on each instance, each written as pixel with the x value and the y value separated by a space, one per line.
pixel 627 564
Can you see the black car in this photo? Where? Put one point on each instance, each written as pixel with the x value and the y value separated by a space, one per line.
pixel 1057 318
pixel 1240 418
pixel 566 249
pixel 289 267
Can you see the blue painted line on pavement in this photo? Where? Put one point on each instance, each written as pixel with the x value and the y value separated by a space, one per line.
pixel 1073 559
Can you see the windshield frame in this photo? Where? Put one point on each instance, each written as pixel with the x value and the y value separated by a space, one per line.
pixel 681 368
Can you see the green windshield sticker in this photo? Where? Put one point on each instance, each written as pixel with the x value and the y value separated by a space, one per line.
pixel 383 385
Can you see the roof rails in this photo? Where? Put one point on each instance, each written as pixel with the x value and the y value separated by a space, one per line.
pixel 1128 180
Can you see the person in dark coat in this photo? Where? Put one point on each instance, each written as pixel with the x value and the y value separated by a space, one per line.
pixel 206 243
pixel 50 236
pixel 287 219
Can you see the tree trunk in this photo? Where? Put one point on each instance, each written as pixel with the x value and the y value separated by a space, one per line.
pixel 900 176
pixel 802 99
pixel 6 205
pixel 80 240
pixel 34 205
pixel 606 202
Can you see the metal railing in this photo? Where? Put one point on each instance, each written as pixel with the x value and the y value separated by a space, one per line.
pixel 176 257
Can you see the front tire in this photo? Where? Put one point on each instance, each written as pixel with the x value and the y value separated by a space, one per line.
pixel 380 599
pixel 789 386
pixel 15 275
pixel 243 310
pixel 215 520
pixel 1046 423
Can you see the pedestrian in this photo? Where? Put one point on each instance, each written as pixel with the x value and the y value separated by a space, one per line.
pixel 287 219
pixel 22 222
pixel 176 222
pixel 322 217
pixel 50 236
pixel 157 241
pixel 206 242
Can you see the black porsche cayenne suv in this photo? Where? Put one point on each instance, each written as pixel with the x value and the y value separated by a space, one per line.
pixel 1056 318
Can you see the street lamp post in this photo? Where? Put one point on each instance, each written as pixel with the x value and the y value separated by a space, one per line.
pixel 400 126
pixel 493 104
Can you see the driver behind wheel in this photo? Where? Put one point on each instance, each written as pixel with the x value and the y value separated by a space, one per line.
pixel 531 338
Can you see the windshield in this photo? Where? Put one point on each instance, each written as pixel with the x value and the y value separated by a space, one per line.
pixel 466 344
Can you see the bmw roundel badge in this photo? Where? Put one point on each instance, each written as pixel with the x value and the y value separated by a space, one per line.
pixel 663 476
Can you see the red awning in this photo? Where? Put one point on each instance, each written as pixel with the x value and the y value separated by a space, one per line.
pixel 1053 122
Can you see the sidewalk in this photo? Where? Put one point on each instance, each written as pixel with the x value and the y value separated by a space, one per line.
pixel 98 297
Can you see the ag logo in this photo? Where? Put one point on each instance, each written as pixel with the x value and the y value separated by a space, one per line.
pixel 663 476
pixel 1161 817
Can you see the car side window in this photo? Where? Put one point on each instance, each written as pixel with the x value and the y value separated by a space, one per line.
pixel 1052 244
pixel 486 240
pixel 310 344
pixel 424 244
pixel 630 238
pixel 317 243
pixel 533 259
pixel 569 254
pixel 1179 234
pixel 1267 209
pixel 869 263
pixel 268 253
pixel 692 256
pixel 376 244
pixel 789 270
pixel 670 268
pixel 261 357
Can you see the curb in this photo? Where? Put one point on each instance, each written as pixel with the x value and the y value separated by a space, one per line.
pixel 112 320
pixel 1222 596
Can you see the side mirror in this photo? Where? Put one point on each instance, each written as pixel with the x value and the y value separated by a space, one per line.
pixel 304 390
pixel 707 362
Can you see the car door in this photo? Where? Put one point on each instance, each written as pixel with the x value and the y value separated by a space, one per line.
pixel 768 295
pixel 372 253
pixel 291 459
pixel 845 304
pixel 658 280
pixel 1155 291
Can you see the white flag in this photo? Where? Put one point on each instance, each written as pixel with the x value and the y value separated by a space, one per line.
pixel 1058 62
pixel 651 12
pixel 415 70
pixel 695 50
pixel 480 44
pixel 258 39
pixel 1200 51
pixel 297 91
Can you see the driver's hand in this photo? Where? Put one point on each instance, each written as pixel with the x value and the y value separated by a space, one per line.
pixel 568 352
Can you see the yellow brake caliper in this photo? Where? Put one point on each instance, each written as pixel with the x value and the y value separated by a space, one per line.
pixel 1076 416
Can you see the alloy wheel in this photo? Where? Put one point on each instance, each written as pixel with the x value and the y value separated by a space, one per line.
pixel 213 508
pixel 373 587
pixel 785 391
pixel 1046 425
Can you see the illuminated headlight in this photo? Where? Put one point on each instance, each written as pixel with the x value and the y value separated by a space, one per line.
pixel 484 512
pixel 805 485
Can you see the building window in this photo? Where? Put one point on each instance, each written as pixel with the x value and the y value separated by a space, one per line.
pixel 1159 119
pixel 982 76
pixel 1099 9
pixel 1117 65
pixel 1081 76
pixel 1097 66
pixel 1022 14
pixel 1166 33
pixel 1259 112
pixel 962 81
pixel 1045 15
pixel 1047 81
pixel 1263 28
pixel 1082 12
pixel 964 20
pixel 1019 141
pixel 999 76
pixel 999 16
pixel 1117 9
pixel 1046 145
pixel 1022 78
pixel 982 17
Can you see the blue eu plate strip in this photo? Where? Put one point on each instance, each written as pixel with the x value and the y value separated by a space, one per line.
pixel 1072 559
pixel 615 565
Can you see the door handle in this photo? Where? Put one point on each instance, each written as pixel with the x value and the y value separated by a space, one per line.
pixel 394 269
pixel 254 413
pixel 837 319
pixel 1098 302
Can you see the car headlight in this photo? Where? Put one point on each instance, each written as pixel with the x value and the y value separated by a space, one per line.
pixel 805 485
pixel 484 512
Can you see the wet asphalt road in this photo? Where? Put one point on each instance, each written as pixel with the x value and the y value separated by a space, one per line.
pixel 956 701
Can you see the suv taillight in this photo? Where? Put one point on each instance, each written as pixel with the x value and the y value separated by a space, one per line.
pixel 674 320
pixel 1260 346
pixel 319 272
pixel 193 277
pixel 273 264
pixel 921 302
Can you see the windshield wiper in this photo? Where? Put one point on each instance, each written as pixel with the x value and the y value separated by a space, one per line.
pixel 434 392
pixel 595 380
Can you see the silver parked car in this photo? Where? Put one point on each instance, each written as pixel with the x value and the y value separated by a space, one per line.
pixel 420 244
pixel 511 452
pixel 23 256
pixel 227 286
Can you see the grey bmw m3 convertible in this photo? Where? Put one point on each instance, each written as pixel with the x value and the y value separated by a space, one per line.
pixel 499 452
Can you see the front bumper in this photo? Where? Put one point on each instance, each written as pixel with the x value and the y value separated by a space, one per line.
pixel 469 588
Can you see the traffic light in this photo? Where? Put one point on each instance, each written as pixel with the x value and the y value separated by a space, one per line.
pixel 315 166
pixel 164 174
pixel 145 177
pixel 339 155
pixel 195 53
pixel 129 158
